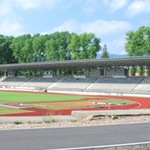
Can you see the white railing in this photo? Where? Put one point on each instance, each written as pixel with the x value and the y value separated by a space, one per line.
pixel 119 76
pixel 79 76
pixel 47 76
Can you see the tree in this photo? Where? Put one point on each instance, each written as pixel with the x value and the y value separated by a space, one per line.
pixel 74 46
pixel 51 50
pixel 105 53
pixel 38 45
pixel 22 48
pixel 56 48
pixel 138 71
pixel 84 46
pixel 6 53
pixel 138 43
pixel 132 71
pixel 146 71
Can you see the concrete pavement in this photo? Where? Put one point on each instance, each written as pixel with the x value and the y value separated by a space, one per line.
pixel 76 115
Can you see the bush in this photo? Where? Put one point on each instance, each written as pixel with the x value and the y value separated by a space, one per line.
pixel 132 71
pixel 139 71
pixel 17 122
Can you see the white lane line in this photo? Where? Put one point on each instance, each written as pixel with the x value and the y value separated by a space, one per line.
pixel 104 146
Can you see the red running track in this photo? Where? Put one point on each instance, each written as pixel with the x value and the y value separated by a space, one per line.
pixel 139 103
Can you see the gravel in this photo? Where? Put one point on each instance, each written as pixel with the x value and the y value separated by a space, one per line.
pixel 52 123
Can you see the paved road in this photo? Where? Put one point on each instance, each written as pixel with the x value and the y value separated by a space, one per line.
pixel 55 138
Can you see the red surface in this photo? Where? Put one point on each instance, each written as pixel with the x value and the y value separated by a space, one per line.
pixel 140 103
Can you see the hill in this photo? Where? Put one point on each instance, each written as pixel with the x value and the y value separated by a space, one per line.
pixel 113 56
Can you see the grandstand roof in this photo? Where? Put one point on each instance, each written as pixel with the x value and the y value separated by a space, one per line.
pixel 84 63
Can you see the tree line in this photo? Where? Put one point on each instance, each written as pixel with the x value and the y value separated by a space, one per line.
pixel 50 47
pixel 67 46
pixel 138 42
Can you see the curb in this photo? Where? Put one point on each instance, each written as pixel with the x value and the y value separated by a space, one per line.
pixel 82 114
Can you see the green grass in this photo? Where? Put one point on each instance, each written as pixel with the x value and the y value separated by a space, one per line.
pixel 22 97
pixel 118 101
pixel 17 97
pixel 4 110
pixel 17 122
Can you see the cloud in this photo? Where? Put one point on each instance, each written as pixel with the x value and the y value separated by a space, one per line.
pixel 9 6
pixel 116 46
pixel 11 28
pixel 99 27
pixel 36 4
pixel 138 7
pixel 6 8
pixel 102 27
pixel 69 25
pixel 114 5
pixel 9 16
pixel 91 5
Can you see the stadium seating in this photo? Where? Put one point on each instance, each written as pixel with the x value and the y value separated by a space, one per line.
pixel 39 82
pixel 117 85
pixel 105 84
pixel 70 83
pixel 13 81
pixel 143 87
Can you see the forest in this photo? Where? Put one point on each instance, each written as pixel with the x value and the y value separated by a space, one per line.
pixel 49 47
pixel 67 46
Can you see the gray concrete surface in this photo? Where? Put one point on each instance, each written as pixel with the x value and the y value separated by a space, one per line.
pixel 77 115
pixel 36 119
pixel 76 137
pixel 129 112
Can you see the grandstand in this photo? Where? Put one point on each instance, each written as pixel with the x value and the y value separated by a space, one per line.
pixel 103 75
pixel 39 82
pixel 69 83
pixel 12 81
pixel 143 87
pixel 115 85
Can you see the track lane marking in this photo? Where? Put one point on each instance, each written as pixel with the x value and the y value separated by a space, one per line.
pixel 104 146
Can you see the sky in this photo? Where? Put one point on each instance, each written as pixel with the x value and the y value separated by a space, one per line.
pixel 109 20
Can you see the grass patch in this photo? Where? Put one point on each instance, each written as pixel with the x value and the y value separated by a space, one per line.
pixel 17 122
pixel 5 110
pixel 118 101
pixel 73 120
pixel 17 97
pixel 49 119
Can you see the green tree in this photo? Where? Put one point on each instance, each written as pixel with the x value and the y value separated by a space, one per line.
pixel 138 71
pixel 38 45
pixel 132 70
pixel 22 48
pixel 105 53
pixel 138 43
pixel 74 46
pixel 6 53
pixel 84 46
pixel 56 47
pixel 51 50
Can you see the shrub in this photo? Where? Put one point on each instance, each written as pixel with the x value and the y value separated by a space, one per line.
pixel 139 71
pixel 114 117
pixel 17 122
pixel 132 71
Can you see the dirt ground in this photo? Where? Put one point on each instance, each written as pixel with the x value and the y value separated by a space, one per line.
pixel 65 108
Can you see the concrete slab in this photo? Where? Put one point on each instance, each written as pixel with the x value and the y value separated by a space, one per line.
pixel 36 119
pixel 131 112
